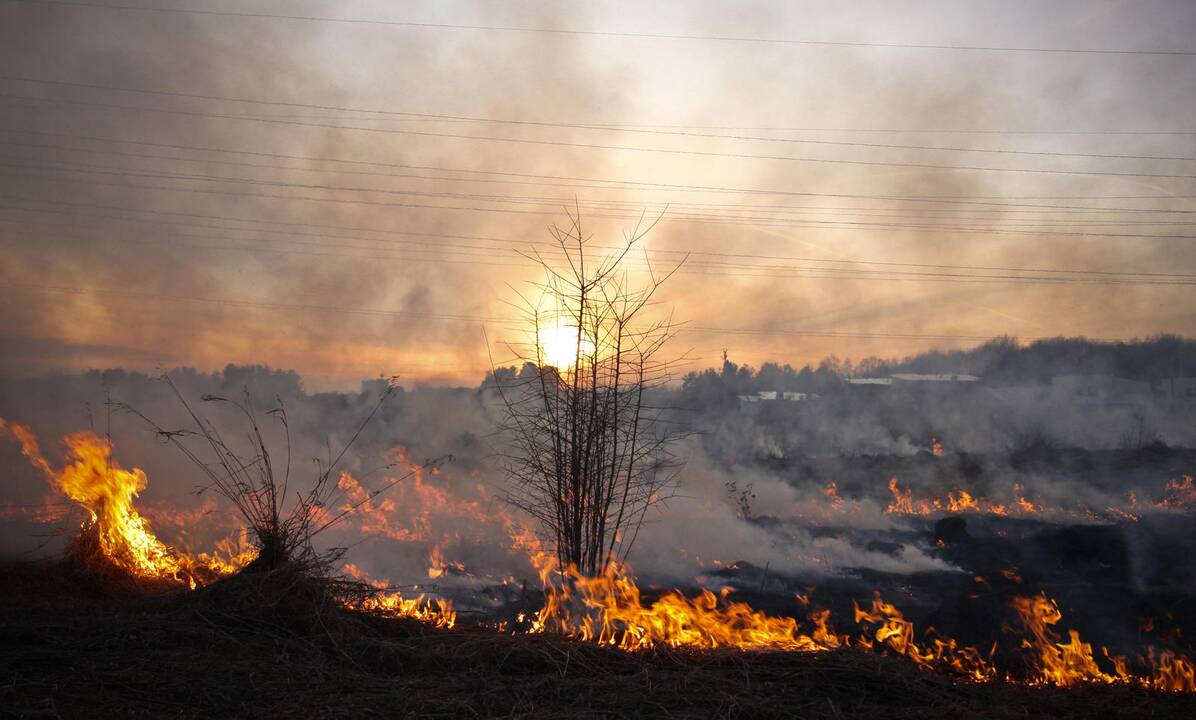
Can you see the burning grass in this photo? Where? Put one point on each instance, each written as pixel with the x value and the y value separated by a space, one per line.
pixel 261 646
pixel 305 612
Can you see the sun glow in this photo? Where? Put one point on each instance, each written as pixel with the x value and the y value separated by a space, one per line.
pixel 559 346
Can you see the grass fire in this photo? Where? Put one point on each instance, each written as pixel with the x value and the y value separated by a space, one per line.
pixel 686 360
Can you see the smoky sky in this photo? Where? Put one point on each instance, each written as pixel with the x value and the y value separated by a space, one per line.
pixel 147 230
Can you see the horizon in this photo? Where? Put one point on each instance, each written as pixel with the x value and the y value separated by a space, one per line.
pixel 840 366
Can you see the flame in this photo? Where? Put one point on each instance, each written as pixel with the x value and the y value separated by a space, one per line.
pixel 897 633
pixel 936 447
pixel 390 603
pixel 831 491
pixel 435 563
pixel 1055 662
pixel 903 502
pixel 1179 494
pixel 1071 663
pixel 957 501
pixel 94 481
pixel 438 612
pixel 609 610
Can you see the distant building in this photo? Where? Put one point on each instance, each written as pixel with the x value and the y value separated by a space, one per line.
pixel 934 378
pixel 1100 390
pixel 776 396
pixel 910 378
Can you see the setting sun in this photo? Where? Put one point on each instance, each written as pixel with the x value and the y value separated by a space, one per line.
pixel 559 348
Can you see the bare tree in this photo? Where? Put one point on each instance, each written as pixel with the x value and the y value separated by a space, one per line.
pixel 588 453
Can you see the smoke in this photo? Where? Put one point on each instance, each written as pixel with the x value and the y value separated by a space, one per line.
pixel 456 512
pixel 107 268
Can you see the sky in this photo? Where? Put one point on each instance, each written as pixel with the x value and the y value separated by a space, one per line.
pixel 211 185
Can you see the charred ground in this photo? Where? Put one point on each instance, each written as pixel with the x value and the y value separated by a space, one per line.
pixel 261 646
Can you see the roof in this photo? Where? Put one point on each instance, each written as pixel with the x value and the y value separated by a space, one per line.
pixel 936 377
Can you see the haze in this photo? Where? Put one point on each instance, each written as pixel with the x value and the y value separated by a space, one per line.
pixel 181 188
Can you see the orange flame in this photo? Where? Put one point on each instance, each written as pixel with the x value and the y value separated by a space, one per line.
pixel 957 501
pixel 609 610
pixel 107 492
pixel 438 612
pixel 943 653
pixel 1070 663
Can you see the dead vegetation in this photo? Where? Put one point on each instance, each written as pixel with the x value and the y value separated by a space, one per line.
pixel 269 645
pixel 588 450
pixel 257 486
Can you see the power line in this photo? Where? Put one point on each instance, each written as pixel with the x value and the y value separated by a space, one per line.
pixel 601 33
pixel 408 176
pixel 508 244
pixel 137 294
pixel 302 307
pixel 709 220
pixel 595 124
pixel 899 131
pixel 607 183
pixel 598 146
pixel 577 126
pixel 719 269
pixel 625 205
pixel 730 269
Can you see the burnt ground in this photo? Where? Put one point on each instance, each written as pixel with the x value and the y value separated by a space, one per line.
pixel 1123 584
pixel 252 647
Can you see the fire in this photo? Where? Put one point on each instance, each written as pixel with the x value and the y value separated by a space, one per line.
pixel 942 653
pixel 121 535
pixel 438 612
pixel 936 447
pixel 437 565
pixel 609 610
pixel 1056 663
pixel 1071 663
pixel 957 501
pixel 831 491
pixel 1179 494
pixel 903 502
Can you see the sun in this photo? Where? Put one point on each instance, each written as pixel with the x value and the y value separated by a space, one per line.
pixel 558 346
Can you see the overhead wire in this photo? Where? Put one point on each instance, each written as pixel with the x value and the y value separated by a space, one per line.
pixel 608 33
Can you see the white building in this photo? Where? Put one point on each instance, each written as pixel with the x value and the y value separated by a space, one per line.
pixel 935 378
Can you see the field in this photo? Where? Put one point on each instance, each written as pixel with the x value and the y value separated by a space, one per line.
pixel 262 647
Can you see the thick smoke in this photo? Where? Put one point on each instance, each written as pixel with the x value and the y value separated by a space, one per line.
pixel 799 486
pixel 340 288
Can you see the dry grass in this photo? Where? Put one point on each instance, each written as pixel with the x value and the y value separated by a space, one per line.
pixel 277 645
